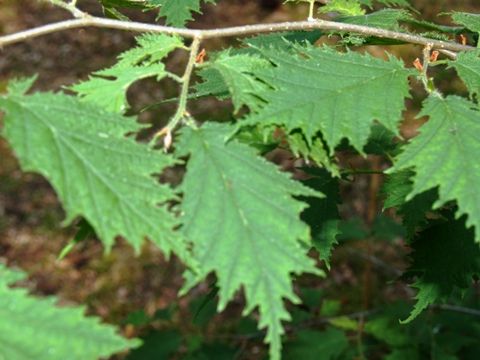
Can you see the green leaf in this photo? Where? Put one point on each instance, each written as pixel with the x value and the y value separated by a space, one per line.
pixel 112 94
pixel 283 41
pixel 108 88
pixel 212 85
pixel 309 344
pixel 237 71
pixel 97 171
pixel 345 7
pixel 151 49
pixel 322 215
pixel 316 152
pixel 239 213
pixel 323 90
pixel 37 329
pixel 157 345
pixel 470 21
pixel 445 155
pixel 397 186
pixel 177 12
pixel 467 65
pixel 444 256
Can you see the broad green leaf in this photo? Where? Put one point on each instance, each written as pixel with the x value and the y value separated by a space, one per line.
pixel 322 215
pixel 36 329
pixel 385 19
pixel 97 171
pixel 444 256
pixel 177 12
pixel 339 94
pixel 344 7
pixel 315 345
pixel 470 21
pixel 112 94
pixel 237 72
pixel 445 155
pixel 239 213
pixel 467 65
pixel 397 186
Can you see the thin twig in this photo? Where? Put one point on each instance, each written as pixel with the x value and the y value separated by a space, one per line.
pixel 232 31
pixel 375 260
pixel 456 308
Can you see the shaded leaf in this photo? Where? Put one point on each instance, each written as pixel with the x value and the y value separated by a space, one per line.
pixel 244 225
pixel 444 256
pixel 157 345
pixel 444 155
pixel 397 186
pixel 322 215
pixel 313 345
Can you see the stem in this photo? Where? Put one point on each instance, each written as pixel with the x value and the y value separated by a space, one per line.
pixel 87 20
pixel 182 112
pixel 182 103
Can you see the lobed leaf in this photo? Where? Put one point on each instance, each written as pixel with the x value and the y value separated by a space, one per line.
pixel 37 329
pixel 444 256
pixel 470 21
pixel 467 65
pixel 239 213
pixel 444 155
pixel 338 94
pixel 237 72
pixel 112 94
pixel 322 215
pixel 309 344
pixel 178 12
pixel 108 87
pixel 97 171
pixel 345 7
pixel 397 186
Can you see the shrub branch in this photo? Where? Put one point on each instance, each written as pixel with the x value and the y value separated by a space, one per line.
pixel 86 20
